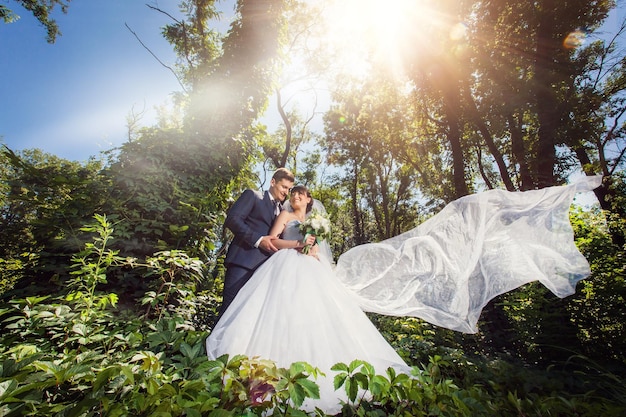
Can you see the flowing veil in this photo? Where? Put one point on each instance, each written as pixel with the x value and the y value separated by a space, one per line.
pixel 448 268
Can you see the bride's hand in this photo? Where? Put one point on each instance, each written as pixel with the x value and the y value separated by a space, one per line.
pixel 314 251
pixel 310 240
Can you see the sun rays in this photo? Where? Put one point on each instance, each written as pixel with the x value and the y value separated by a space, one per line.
pixel 370 33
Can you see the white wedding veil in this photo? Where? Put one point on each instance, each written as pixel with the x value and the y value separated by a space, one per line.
pixel 448 268
pixel 324 251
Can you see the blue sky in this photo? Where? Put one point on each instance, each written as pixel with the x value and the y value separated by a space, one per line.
pixel 71 98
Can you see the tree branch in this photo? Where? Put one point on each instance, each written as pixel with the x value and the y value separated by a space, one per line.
pixel 156 57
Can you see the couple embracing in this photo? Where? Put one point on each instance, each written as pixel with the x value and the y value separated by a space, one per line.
pixel 283 305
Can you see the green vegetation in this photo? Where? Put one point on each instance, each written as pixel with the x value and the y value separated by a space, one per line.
pixel 79 352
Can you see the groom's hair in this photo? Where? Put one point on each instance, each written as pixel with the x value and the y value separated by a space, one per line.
pixel 282 174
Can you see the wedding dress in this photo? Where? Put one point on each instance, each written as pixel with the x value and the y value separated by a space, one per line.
pixel 296 308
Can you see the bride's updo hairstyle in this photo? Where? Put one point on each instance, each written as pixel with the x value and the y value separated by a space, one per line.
pixel 303 190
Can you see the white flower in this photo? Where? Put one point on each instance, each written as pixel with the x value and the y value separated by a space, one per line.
pixel 315 224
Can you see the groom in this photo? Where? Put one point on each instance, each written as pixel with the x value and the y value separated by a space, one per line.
pixel 250 219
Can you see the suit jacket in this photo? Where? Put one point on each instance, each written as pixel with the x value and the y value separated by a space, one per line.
pixel 249 218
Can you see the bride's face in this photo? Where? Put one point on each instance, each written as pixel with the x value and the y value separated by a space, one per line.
pixel 299 199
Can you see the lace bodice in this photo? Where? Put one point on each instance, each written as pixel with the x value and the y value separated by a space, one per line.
pixel 292 231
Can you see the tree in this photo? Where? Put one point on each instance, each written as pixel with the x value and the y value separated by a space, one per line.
pixel 42 10
pixel 596 128
pixel 304 69
pixel 225 101
pixel 365 133
pixel 437 70
pixel 527 62
pixel 45 201
pixel 172 184
pixel 497 76
pixel 166 194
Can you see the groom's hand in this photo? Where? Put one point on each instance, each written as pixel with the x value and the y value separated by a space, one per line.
pixel 267 244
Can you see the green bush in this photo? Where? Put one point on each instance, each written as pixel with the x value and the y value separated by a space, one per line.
pixel 78 354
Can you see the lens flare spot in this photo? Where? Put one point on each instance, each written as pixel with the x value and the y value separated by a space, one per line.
pixel 342 119
pixel 575 39
pixel 458 32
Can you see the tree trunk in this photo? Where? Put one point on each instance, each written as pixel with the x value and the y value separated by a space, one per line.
pixel 488 138
pixel 451 99
pixel 356 213
pixel 519 153
pixel 288 129
pixel 546 102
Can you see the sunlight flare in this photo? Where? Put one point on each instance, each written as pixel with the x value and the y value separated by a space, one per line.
pixel 575 39
pixel 369 32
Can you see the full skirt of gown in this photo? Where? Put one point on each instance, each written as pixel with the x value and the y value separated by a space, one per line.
pixel 294 309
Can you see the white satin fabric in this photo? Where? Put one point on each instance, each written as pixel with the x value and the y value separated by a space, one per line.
pixel 449 267
pixel 294 309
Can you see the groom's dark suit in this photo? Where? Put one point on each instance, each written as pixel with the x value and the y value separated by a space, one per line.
pixel 249 219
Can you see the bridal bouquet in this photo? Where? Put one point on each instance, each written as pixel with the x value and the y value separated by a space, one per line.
pixel 315 224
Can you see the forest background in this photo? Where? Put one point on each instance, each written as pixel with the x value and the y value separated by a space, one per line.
pixel 111 268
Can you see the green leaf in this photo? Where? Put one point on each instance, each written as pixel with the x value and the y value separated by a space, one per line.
pixel 362 380
pixel 152 386
pixel 355 364
pixel 296 394
pixel 220 412
pixel 339 380
pixel 340 367
pixel 7 386
pixel 191 412
pixel 80 329
pixel 311 388
pixel 105 375
pixel 190 352
pixel 127 371
pixel 352 389
pixel 379 384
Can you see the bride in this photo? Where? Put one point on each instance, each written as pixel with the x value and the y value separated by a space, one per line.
pixel 299 307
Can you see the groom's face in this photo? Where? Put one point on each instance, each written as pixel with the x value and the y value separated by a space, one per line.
pixel 280 189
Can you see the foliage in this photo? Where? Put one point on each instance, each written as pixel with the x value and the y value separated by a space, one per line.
pixel 73 353
pixel 569 385
pixel 41 10
pixel 161 193
pixel 91 265
pixel 45 201
pixel 597 310
pixel 175 293
pixel 168 192
pixel 78 355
